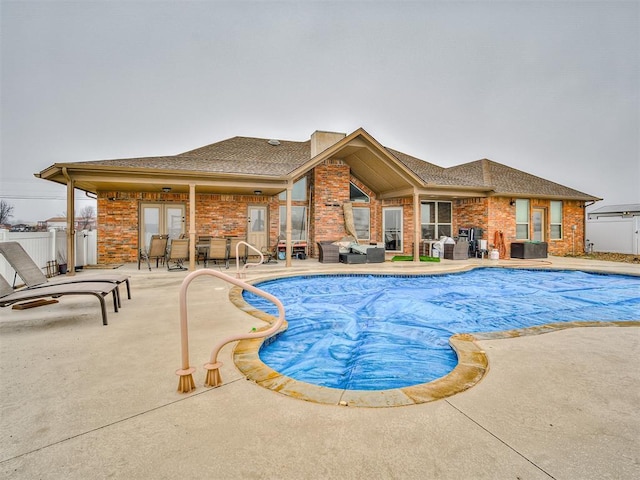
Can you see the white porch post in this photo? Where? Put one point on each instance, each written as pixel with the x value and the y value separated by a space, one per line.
pixel 288 227
pixel 192 226
pixel 71 224
pixel 416 226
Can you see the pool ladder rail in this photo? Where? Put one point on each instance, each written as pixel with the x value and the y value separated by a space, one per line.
pixel 213 378
pixel 241 273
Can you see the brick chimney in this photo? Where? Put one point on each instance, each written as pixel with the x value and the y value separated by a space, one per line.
pixel 320 141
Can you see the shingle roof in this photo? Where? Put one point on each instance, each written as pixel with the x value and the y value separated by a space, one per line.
pixel 504 180
pixel 259 153
pixel 241 155
pixel 259 156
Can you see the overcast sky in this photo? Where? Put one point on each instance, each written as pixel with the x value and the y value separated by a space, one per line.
pixel 548 87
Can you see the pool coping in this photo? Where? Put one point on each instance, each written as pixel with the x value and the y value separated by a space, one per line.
pixel 472 366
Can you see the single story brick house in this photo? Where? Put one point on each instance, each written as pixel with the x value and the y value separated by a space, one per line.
pixel 267 189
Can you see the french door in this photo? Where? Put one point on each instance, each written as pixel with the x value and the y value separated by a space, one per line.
pixel 161 219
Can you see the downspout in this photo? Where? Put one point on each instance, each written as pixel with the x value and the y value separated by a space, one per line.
pixel 192 227
pixel 71 232
pixel 288 246
pixel 416 226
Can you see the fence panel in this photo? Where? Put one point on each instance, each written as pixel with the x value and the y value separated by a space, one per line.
pixel 43 247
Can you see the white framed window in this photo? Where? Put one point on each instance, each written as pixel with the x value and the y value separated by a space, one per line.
pixel 298 192
pixel 435 219
pixel 522 219
pixel 555 220
pixel 362 222
pixel 298 222
pixel 356 195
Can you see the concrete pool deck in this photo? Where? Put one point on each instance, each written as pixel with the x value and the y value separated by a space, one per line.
pixel 81 400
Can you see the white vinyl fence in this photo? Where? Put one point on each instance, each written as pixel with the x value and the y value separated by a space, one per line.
pixel 615 234
pixel 49 246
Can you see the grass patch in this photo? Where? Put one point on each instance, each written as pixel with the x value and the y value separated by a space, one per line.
pixel 409 258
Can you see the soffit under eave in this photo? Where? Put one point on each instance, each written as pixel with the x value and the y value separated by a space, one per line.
pixel 531 196
pixel 432 192
pixel 149 181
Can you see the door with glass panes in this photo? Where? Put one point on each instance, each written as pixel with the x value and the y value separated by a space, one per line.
pixel 161 219
pixel 392 227
pixel 257 229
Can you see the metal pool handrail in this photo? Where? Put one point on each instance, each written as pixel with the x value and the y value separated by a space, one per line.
pixel 213 379
pixel 242 274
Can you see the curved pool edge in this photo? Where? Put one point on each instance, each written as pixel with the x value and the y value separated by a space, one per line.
pixel 472 366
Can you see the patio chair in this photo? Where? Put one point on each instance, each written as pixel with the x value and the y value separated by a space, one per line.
pixel 218 251
pixel 270 253
pixel 329 252
pixel 9 296
pixel 178 253
pixel 33 277
pixel 242 251
pixel 157 249
pixel 457 251
pixel 202 245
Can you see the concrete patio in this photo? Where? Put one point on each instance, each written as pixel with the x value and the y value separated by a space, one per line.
pixel 80 400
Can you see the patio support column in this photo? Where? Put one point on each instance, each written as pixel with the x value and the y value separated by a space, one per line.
pixel 288 227
pixel 416 226
pixel 71 224
pixel 192 227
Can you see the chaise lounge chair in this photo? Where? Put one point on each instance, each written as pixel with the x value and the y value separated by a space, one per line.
pixel 33 277
pixel 9 296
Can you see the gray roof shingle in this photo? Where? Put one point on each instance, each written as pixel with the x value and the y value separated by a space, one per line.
pixel 504 180
pixel 241 155
pixel 257 156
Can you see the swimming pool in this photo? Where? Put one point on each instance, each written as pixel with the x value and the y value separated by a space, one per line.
pixel 377 332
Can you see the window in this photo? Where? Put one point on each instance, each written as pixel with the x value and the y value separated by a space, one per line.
pixel 522 219
pixel 298 222
pixel 361 219
pixel 555 222
pixel 298 193
pixel 356 195
pixel 435 219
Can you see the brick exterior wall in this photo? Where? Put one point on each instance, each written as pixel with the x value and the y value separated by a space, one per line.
pixel 495 214
pixel 216 215
pixel 226 215
pixel 331 190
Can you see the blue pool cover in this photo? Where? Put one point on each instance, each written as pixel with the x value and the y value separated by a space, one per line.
pixel 376 332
